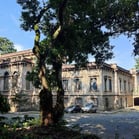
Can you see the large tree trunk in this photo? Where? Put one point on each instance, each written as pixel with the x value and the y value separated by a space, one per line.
pixel 59 108
pixel 46 102
pixel 46 107
pixel 45 93
pixel 48 114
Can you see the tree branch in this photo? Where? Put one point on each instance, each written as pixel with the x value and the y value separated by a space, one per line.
pixel 43 10
pixel 61 11
pixel 60 16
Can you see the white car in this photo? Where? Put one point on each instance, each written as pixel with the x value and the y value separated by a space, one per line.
pixel 89 107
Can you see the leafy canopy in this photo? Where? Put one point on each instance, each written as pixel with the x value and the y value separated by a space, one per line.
pixel 6 46
pixel 86 26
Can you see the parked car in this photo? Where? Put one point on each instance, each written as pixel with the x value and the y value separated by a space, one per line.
pixel 73 109
pixel 89 107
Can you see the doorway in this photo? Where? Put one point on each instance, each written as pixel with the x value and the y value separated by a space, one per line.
pixel 136 101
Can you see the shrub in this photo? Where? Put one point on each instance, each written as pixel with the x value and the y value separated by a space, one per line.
pixel 4 105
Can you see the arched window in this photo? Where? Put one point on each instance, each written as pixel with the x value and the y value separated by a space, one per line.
pixel 27 82
pixel 15 79
pixel 6 81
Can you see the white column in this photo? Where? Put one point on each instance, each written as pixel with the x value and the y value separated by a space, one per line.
pixel 115 83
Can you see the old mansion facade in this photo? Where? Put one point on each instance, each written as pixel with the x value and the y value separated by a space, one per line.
pixel 109 86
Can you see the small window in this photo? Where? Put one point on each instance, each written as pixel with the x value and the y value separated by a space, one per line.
pixel 28 82
pixel 79 101
pixel 6 81
pixel 110 84
pixel 105 83
pixel 78 84
pixel 15 79
pixel 129 86
pixel 120 84
pixel 65 85
pixel 106 103
pixel 93 84
pixel 125 85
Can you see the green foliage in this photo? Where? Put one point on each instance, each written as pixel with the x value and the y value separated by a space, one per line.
pixel 28 128
pixel 86 26
pixel 31 121
pixel 50 74
pixel 33 76
pixel 86 29
pixel 19 122
pixel 137 63
pixel 9 127
pixel 6 46
pixel 4 105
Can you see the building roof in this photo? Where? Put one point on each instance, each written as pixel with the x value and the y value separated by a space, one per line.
pixel 20 57
pixel 15 54
pixel 93 65
pixel 23 56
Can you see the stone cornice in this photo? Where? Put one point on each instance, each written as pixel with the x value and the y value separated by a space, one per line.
pixel 16 54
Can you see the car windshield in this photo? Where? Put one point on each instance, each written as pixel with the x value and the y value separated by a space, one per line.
pixel 70 107
pixel 88 104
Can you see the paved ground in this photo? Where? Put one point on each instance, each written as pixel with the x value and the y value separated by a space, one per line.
pixel 108 125
pixel 120 125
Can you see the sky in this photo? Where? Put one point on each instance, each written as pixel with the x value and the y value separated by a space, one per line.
pixel 10 13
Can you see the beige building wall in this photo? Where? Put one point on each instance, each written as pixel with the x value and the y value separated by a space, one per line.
pixel 109 86
pixel 135 74
pixel 13 70
pixel 114 86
